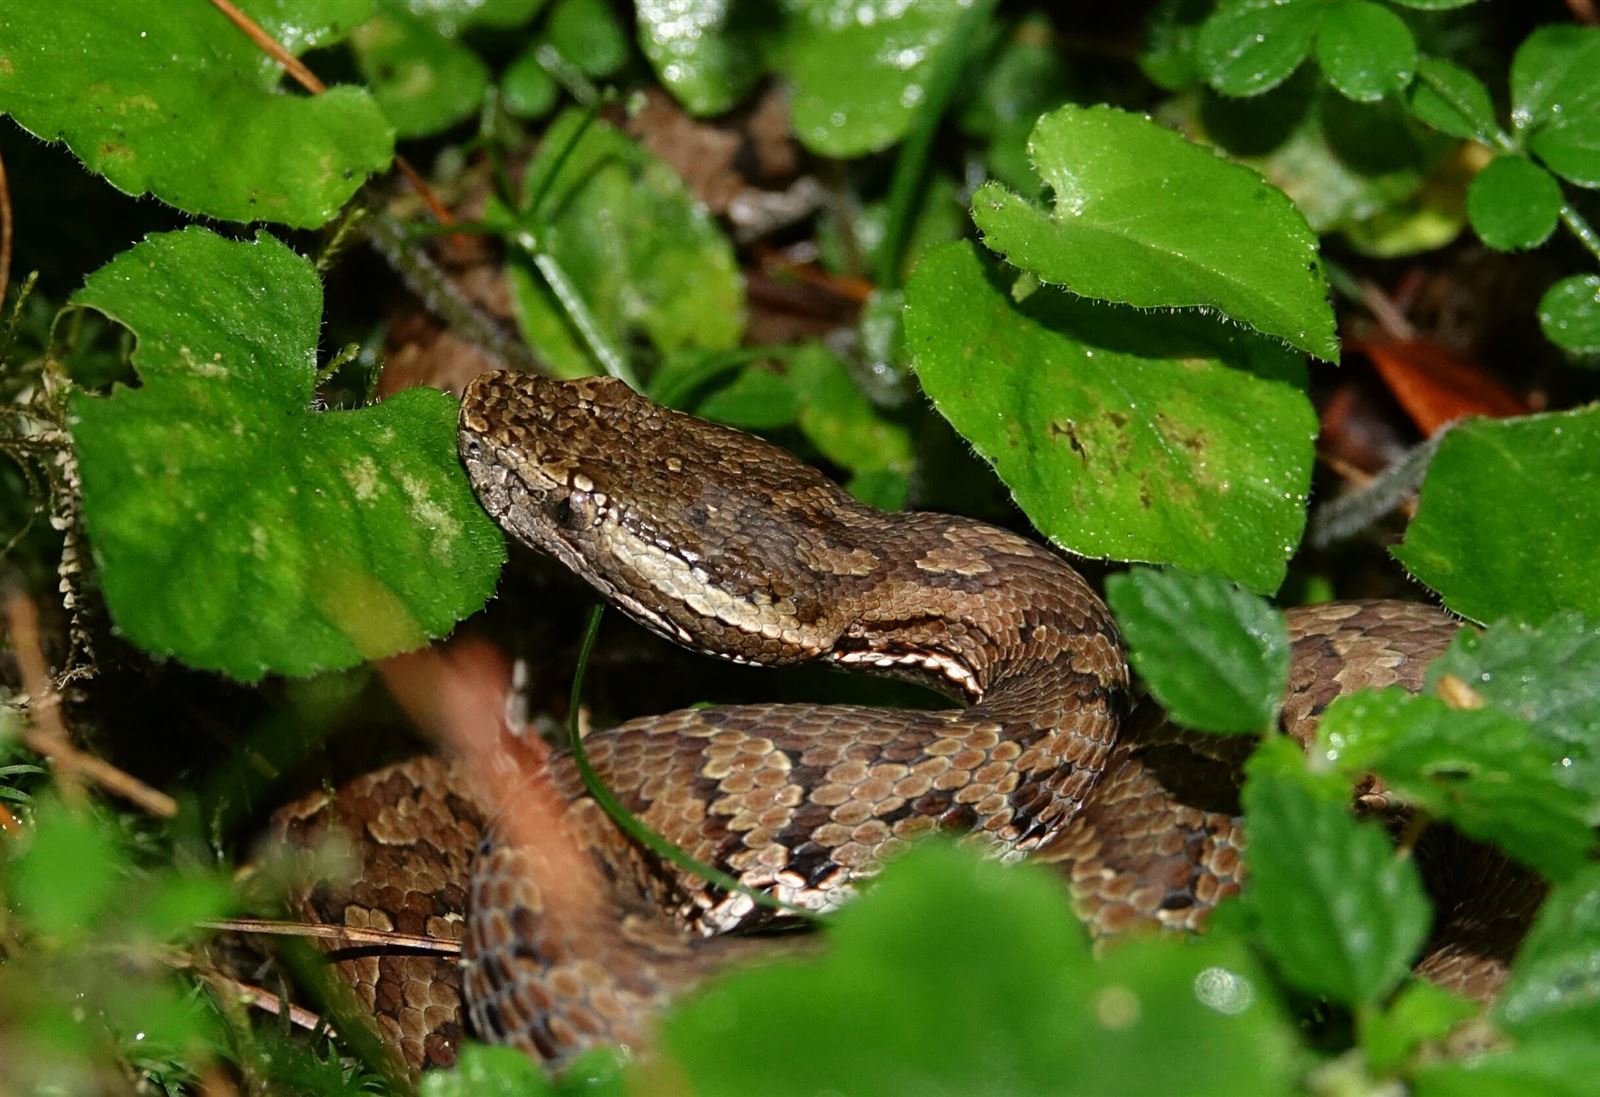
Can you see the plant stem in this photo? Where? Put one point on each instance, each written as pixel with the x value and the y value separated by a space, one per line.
pixel 629 823
pixel 1581 228
pixel 910 167
pixel 577 310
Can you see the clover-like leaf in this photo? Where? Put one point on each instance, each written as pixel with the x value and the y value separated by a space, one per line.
pixel 1497 531
pixel 1341 915
pixel 155 97
pixel 586 34
pixel 707 52
pixel 1452 100
pixel 235 528
pixel 860 68
pixel 1038 1014
pixel 1216 657
pixel 1366 50
pixel 1247 47
pixel 1571 149
pixel 1569 314
pixel 1145 218
pixel 1513 203
pixel 1552 75
pixel 1136 436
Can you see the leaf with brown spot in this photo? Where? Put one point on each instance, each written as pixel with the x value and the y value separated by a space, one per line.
pixel 1131 435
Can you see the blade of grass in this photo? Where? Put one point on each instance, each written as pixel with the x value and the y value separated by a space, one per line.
pixel 629 823
pixel 911 166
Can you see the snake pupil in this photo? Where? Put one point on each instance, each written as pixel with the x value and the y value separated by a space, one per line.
pixel 564 510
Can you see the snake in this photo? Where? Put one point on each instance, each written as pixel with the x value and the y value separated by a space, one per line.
pixel 574 935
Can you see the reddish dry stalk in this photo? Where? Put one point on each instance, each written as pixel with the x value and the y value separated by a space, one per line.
pixel 458 697
pixel 343 936
pixel 48 736
pixel 5 232
pixel 262 999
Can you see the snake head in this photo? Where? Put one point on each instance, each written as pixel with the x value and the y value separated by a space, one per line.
pixel 705 535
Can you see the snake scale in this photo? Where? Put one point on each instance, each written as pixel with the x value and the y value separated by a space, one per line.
pixel 729 546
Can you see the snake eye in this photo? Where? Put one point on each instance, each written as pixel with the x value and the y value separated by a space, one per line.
pixel 563 510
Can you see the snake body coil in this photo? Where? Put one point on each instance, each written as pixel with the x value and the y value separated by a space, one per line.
pixel 729 546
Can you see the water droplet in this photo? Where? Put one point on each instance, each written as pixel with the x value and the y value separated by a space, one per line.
pixel 1224 991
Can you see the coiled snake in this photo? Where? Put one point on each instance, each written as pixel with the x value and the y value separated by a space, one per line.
pixel 729 546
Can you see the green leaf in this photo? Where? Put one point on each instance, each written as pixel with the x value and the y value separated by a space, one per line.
pixel 860 68
pixel 647 260
pixel 424 81
pixel 757 399
pixel 1554 986
pixel 1145 218
pixel 586 34
pixel 1024 78
pixel 843 425
pixel 884 488
pixel 1251 46
pixel 1480 769
pixel 526 89
pixel 159 1019
pixel 1037 1014
pixel 1552 75
pixel 300 25
pixel 1513 203
pixel 175 903
pixel 707 52
pixel 1569 314
pixel 1433 5
pixel 1216 657
pixel 1366 50
pixel 882 329
pixel 155 97
pixel 1571 149
pixel 1549 1068
pixel 1420 1013
pixel 1547 677
pixel 451 17
pixel 1124 435
pixel 1346 165
pixel 1171 31
pixel 1453 101
pixel 67 876
pixel 234 528
pixel 484 1071
pixel 1496 531
pixel 1342 915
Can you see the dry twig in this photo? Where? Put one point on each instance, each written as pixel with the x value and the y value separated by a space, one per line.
pixel 47 735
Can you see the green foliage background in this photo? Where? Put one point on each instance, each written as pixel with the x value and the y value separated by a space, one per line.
pixel 1110 255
